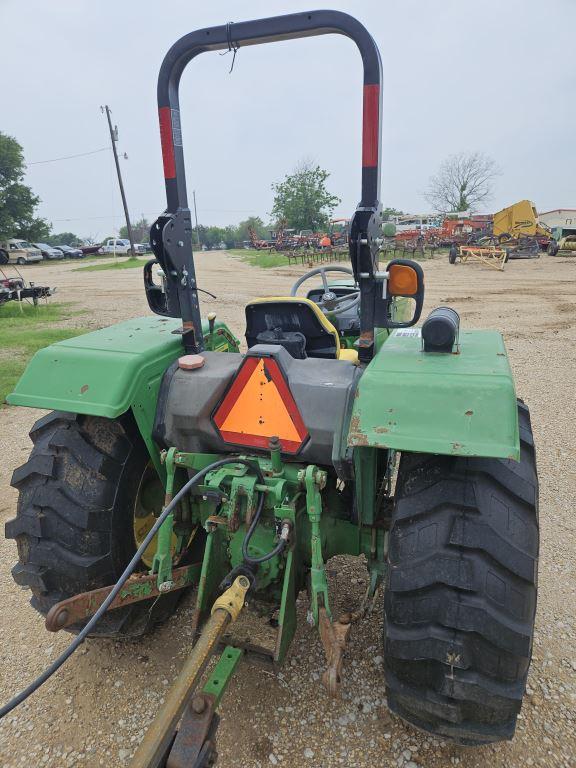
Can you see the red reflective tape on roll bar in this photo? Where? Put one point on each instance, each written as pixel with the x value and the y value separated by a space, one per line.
pixel 167 142
pixel 370 126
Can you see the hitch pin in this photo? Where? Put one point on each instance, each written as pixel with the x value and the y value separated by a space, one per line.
pixel 378 276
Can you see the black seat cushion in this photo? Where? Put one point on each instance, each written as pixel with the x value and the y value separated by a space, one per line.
pixel 291 318
pixel 292 341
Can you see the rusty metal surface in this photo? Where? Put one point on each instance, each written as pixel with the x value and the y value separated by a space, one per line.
pixel 194 743
pixel 334 636
pixel 138 587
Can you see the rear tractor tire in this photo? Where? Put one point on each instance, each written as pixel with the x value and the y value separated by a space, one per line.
pixel 461 593
pixel 79 509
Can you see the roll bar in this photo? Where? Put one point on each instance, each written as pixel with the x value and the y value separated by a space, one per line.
pixel 171 235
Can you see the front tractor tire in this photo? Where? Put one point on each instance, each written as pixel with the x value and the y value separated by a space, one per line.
pixel 461 593
pixel 74 526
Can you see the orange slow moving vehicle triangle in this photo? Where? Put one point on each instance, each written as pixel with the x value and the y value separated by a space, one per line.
pixel 258 406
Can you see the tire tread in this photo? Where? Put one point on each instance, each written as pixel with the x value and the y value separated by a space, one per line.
pixel 461 591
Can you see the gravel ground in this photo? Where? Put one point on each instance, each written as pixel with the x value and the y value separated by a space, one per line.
pixel 95 711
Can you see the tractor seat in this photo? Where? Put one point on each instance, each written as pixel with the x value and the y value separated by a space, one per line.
pixel 298 325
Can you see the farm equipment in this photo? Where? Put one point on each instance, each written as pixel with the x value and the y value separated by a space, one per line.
pixel 13 287
pixel 518 220
pixel 566 246
pixel 489 255
pixel 523 247
pixel 256 242
pixel 338 232
pixel 459 229
pixel 171 460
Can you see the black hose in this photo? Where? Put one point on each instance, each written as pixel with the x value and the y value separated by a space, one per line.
pixel 85 631
pixel 255 520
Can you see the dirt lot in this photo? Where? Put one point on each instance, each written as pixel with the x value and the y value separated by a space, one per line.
pixel 94 712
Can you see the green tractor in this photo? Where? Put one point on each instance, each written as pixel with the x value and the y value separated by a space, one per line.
pixel 173 460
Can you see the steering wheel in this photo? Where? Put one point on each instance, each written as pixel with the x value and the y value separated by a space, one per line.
pixel 329 302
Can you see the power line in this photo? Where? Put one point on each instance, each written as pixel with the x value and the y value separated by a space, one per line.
pixel 57 159
pixel 156 213
pixel 70 157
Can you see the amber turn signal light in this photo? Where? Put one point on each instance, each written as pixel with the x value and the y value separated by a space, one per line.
pixel 402 280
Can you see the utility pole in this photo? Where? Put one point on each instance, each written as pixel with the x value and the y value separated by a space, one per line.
pixel 196 217
pixel 114 139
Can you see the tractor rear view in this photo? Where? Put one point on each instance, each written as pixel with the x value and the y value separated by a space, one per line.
pixel 171 460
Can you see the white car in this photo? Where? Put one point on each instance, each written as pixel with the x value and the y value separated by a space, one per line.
pixel 120 245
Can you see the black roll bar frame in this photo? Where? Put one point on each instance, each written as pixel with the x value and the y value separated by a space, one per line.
pixel 171 235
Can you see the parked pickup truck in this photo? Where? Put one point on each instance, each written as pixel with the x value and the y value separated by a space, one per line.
pixel 16 251
pixel 120 245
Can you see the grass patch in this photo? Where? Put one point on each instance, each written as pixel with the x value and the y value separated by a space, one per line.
pixel 266 260
pixel 130 263
pixel 13 314
pixel 24 329
pixel 261 259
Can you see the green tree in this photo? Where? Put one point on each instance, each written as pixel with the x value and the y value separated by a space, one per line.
pixel 303 200
pixel 388 212
pixel 63 238
pixel 140 231
pixel 213 236
pixel 17 201
pixel 254 222
pixel 231 235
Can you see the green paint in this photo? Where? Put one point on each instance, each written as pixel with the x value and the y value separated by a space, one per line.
pixel 24 329
pixel 222 672
pixel 100 373
pixel 261 542
pixel 144 588
pixel 276 459
pixel 458 404
pixel 287 612
pixel 162 561
pixel 140 589
pixel 215 566
pixel 308 497
pixel 314 480
pixel 107 372
pixel 365 464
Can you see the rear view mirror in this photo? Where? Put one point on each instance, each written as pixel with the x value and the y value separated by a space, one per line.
pixel 155 291
pixel 404 293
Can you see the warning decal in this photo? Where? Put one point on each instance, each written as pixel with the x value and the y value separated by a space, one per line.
pixel 258 406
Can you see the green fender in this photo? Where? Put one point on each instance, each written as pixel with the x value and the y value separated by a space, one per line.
pixel 110 371
pixel 461 404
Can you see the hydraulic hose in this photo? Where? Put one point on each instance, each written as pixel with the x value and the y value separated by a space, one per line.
pixel 255 520
pixel 85 631
pixel 269 555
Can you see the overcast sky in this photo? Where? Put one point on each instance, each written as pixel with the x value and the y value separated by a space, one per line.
pixel 496 76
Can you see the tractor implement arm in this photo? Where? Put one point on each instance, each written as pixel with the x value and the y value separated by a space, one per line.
pixel 171 235
pixel 155 749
